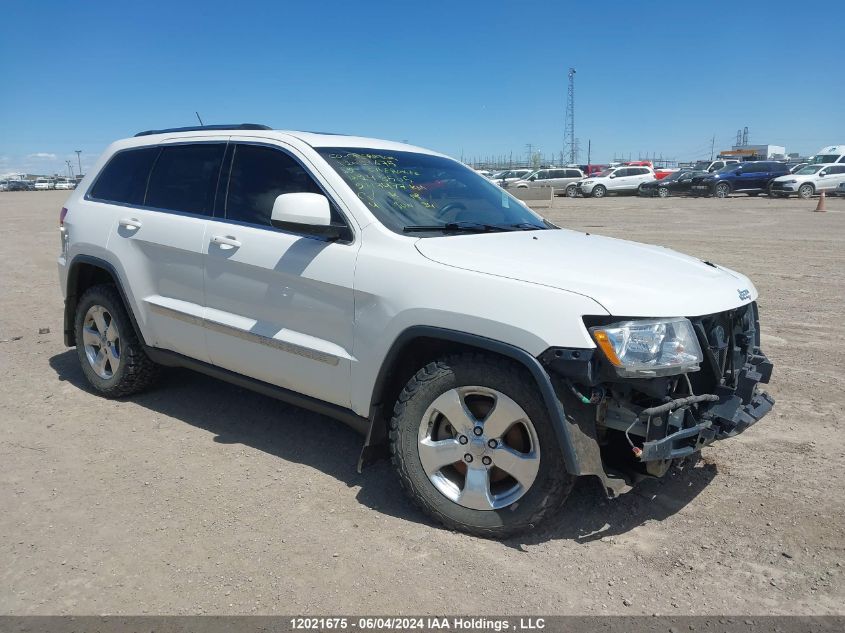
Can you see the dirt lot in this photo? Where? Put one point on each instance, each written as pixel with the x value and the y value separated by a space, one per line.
pixel 199 497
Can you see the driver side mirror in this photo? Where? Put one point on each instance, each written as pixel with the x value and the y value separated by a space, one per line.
pixel 532 178
pixel 612 176
pixel 822 173
pixel 304 213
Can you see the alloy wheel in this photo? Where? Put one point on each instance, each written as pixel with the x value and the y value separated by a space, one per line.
pixel 101 340
pixel 478 448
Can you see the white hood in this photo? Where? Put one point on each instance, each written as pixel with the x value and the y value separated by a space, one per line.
pixel 627 278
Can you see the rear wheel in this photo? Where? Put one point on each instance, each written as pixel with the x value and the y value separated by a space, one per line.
pixel 571 191
pixel 722 190
pixel 112 358
pixel 473 445
pixel 806 191
pixel 599 191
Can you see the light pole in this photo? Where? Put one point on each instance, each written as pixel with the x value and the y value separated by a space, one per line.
pixel 79 160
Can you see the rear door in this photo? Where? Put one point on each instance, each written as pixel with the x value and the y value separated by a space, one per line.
pixel 157 238
pixel 280 303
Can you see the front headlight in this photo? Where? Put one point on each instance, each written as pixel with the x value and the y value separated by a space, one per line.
pixel 649 347
pixel 790 182
pixel 587 182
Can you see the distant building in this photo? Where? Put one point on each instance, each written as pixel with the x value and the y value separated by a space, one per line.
pixel 756 152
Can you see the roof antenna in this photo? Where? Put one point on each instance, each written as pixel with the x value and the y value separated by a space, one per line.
pixel 199 119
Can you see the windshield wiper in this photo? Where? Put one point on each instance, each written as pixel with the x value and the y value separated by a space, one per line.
pixel 528 226
pixel 457 227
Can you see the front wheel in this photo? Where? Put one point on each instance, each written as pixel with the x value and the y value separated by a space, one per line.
pixel 599 191
pixel 722 190
pixel 474 447
pixel 663 192
pixel 806 191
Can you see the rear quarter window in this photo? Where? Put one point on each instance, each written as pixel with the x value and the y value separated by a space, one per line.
pixel 124 178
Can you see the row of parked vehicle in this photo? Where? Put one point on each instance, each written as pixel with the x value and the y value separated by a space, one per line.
pixel 718 178
pixel 39 184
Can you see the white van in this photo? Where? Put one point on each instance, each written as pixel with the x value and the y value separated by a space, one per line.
pixel 829 154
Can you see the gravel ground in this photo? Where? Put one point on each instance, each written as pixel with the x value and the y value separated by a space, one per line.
pixel 199 497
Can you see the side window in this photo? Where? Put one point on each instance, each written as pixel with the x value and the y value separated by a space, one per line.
pixel 185 178
pixel 543 174
pixel 621 172
pixel 124 178
pixel 572 173
pixel 260 174
pixel 717 165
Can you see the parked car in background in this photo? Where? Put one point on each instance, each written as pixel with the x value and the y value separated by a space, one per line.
pixel 840 190
pixel 558 178
pixel 484 172
pixel 796 167
pixel 809 181
pixel 752 178
pixel 505 178
pixel 64 183
pixel 676 183
pixel 43 184
pixel 592 170
pixel 829 154
pixel 18 185
pixel 4 185
pixel 616 180
pixel 661 173
pixel 714 165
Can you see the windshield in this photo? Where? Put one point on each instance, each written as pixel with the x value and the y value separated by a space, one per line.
pixel 809 169
pixel 407 189
pixel 675 175
pixel 824 158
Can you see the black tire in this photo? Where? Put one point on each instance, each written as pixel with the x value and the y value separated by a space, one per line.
pixel 722 190
pixel 549 489
pixel 662 192
pixel 599 191
pixel 135 371
pixel 571 191
pixel 806 191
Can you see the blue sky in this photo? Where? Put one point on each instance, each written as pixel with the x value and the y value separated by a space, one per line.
pixel 459 77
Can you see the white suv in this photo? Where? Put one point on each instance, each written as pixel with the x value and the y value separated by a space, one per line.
pixel 809 180
pixel 497 356
pixel 623 179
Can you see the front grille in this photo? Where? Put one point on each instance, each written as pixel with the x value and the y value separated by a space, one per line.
pixel 727 340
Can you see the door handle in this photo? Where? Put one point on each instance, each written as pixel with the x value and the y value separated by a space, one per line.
pixel 225 241
pixel 132 224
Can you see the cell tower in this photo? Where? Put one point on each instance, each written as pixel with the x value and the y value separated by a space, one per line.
pixel 745 136
pixel 569 140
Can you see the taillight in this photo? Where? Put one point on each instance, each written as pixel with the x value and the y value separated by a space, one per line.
pixel 62 216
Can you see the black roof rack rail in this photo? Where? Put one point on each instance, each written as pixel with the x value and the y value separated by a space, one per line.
pixel 202 128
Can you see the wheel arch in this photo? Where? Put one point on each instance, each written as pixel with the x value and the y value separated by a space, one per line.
pixel 84 272
pixel 416 346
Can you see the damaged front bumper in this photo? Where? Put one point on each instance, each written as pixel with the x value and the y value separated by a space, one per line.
pixel 636 427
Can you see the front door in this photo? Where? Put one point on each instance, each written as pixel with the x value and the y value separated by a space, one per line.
pixel 280 304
